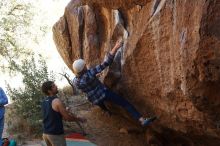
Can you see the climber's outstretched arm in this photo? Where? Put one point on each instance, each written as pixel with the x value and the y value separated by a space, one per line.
pixel 107 61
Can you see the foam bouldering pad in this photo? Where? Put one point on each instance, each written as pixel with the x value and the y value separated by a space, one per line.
pixel 76 139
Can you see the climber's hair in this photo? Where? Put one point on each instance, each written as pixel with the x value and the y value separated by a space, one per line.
pixel 46 86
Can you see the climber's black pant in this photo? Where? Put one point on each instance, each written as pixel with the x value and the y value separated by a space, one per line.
pixel 114 98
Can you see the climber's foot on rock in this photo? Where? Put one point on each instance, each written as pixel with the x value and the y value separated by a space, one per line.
pixel 148 121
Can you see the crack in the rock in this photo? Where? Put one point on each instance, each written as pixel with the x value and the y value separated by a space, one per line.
pixel 81 29
pixel 156 3
pixel 159 4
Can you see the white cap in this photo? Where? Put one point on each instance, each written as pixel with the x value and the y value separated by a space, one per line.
pixel 78 65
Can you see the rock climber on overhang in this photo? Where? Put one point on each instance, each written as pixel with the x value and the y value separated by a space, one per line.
pixel 97 93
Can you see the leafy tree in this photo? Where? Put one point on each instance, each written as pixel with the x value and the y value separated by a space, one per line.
pixel 14 17
pixel 22 26
pixel 18 30
pixel 27 99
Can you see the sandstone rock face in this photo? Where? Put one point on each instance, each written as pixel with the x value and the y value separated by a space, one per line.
pixel 169 64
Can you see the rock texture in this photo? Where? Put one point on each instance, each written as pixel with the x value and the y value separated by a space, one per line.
pixel 169 64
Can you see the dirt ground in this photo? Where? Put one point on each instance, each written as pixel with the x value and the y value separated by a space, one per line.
pixel 100 128
pixel 120 130
pixel 105 130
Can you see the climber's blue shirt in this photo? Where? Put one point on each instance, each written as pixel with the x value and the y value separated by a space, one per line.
pixel 3 101
pixel 90 84
pixel 3 98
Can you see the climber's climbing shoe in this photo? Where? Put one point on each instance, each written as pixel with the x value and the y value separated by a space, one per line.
pixel 148 121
